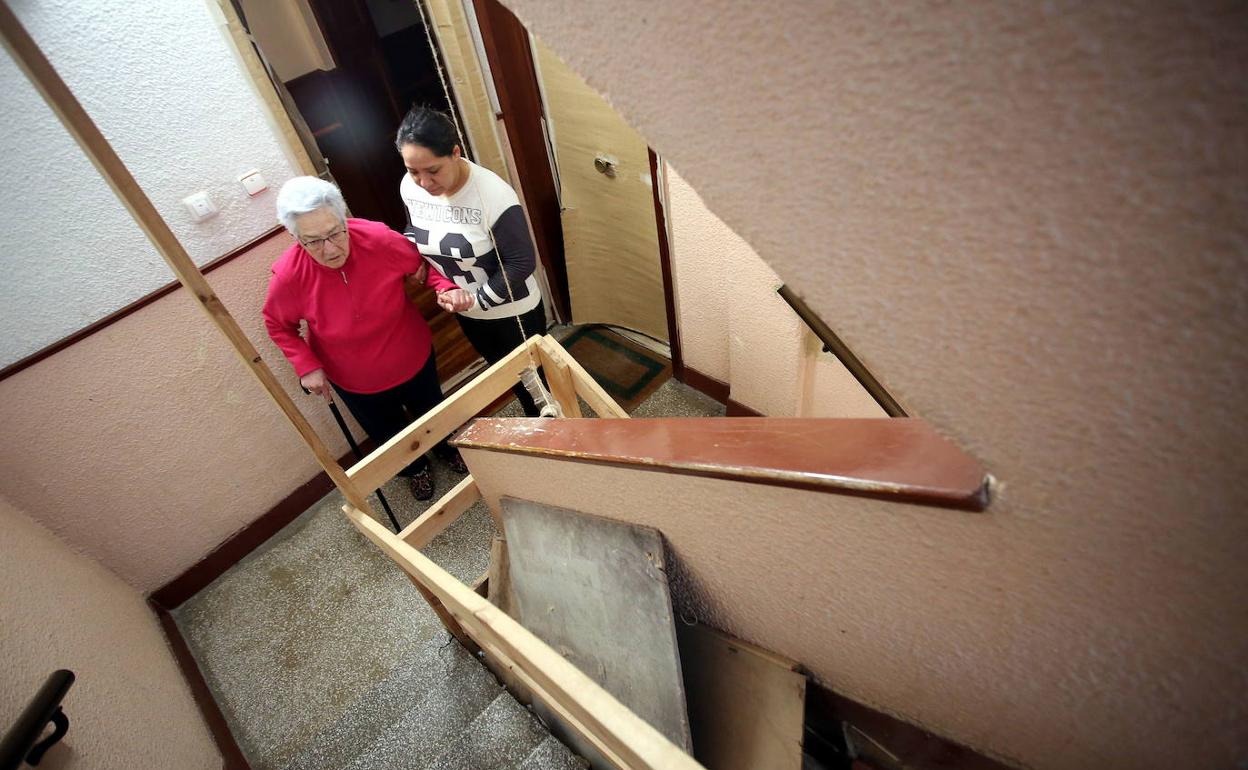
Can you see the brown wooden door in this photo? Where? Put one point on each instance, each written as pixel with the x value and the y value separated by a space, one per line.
pixel 511 63
pixel 359 142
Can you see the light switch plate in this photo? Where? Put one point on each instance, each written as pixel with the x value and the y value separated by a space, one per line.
pixel 200 206
pixel 253 182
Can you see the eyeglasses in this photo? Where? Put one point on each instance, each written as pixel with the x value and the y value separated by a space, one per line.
pixel 317 244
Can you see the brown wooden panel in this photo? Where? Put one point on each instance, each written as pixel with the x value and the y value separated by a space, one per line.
pixel 900 459
pixel 511 63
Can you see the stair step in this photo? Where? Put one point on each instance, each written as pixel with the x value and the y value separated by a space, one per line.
pixel 500 738
pixel 438 677
pixel 551 754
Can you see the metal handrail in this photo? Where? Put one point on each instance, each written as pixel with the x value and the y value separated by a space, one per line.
pixel 833 344
pixel 21 742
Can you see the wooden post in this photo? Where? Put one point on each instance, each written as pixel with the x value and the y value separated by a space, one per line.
pixel 562 386
pixel 26 53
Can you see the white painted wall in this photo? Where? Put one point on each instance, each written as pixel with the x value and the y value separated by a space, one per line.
pixel 162 83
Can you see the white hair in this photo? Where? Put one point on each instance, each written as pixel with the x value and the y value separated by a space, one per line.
pixel 305 194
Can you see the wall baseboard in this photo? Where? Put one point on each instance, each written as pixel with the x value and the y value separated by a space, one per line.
pixel 738 409
pixel 231 753
pixel 716 389
pixel 199 575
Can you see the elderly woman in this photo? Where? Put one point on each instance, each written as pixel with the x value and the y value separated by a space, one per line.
pixel 364 340
pixel 468 224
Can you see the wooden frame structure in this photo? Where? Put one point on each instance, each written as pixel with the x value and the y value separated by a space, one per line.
pixel 623 737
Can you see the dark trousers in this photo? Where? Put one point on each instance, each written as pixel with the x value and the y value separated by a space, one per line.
pixel 384 414
pixel 495 338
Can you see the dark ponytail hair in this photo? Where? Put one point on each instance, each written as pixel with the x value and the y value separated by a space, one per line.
pixel 428 128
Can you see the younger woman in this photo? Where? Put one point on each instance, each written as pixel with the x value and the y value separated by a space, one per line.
pixel 467 222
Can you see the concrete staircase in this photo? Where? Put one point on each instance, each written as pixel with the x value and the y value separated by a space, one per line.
pixel 440 710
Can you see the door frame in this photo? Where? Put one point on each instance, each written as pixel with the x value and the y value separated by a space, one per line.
pixel 510 59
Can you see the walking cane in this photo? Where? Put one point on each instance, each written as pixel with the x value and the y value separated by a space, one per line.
pixel 355 450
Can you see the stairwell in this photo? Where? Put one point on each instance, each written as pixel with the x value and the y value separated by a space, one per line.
pixel 321 654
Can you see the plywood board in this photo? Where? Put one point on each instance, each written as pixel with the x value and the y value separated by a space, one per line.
pixel 746 705
pixel 610 235
pixel 596 591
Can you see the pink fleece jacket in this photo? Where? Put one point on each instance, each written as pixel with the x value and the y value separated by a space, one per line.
pixel 361 329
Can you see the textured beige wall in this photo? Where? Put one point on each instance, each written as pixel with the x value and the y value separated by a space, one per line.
pixel 735 328
pixel 1021 637
pixel 149 443
pixel 1027 218
pixel 129 707
pixel 701 247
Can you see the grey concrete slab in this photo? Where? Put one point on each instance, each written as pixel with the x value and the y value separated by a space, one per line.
pixel 301 628
pixel 437 721
pixel 500 738
pixel 596 591
pixel 676 399
pixel 442 679
pixel 550 754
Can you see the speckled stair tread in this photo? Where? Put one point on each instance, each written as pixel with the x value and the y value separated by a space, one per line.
pixel 500 738
pixel 437 674
pixel 551 754
pixel 464 548
pixel 432 723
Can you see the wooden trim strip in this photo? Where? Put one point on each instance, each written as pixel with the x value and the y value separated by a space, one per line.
pixel 510 61
pixel 441 514
pixel 897 459
pixel 562 383
pixel 217 725
pixel 133 307
pixel 658 186
pixel 422 435
pixel 603 719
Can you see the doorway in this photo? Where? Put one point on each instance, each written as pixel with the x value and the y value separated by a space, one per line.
pixel 352 69
pixel 593 178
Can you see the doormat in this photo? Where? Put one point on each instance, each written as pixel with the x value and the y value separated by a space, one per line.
pixel 626 370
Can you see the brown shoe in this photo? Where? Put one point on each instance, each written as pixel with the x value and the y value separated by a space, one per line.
pixel 421 485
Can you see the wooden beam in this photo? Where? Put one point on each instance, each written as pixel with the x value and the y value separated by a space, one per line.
pixel 438 423
pixel 592 710
pixel 524 689
pixel 586 386
pixel 441 514
pixel 562 387
pixel 62 101
pixel 500 574
pixel 448 620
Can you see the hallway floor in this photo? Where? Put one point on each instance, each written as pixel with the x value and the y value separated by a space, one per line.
pixel 321 654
